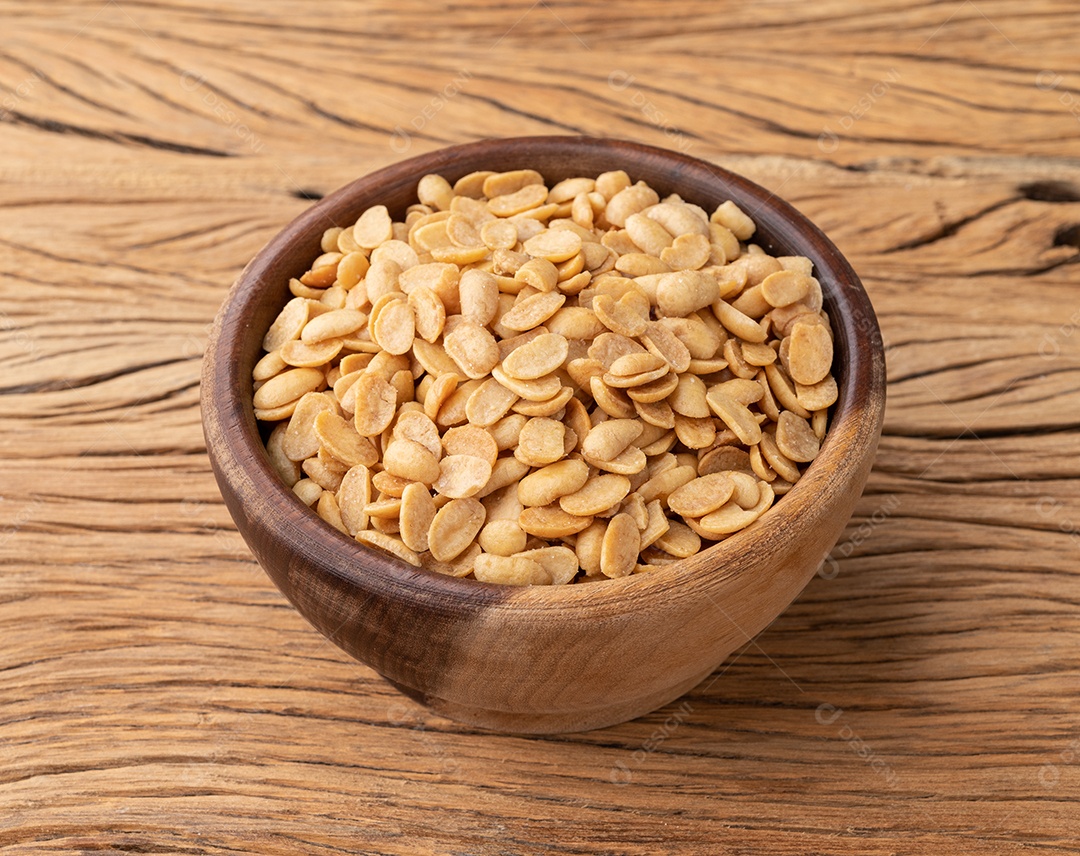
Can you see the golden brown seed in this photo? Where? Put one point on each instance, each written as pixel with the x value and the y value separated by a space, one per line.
pixel 539 274
pixel 695 433
pixel 502 537
pixel 428 312
pixel 627 316
pixel 339 439
pixel 785 287
pixel 657 524
pixel 548 407
pixel 407 459
pixel 723 458
pixel 810 354
pixel 472 185
pixel 507 471
pixel 688 397
pixel 307 491
pixel 328 510
pixel 688 252
pixel 298 440
pixel 268 366
pixel 501 183
pixel 701 496
pixel 777 460
pixel 472 347
pixel 609 439
pixel 680 540
pixel 741 325
pixel 454 527
pixel 462 566
pixel 609 347
pixel 784 390
pixel 303 355
pixel 551 522
pixel 538 357
pixel 757 354
pixel 353 496
pixel 560 563
pixel 287 387
pixel 479 296
pixel 510 570
pixel 637 363
pixel 533 310
pixel 286 468
pixel 795 438
pixel 659 340
pixel 732 217
pixel 648 234
pixel 499 235
pixel 547 484
pixel 620 548
pixel 554 245
pixel 680 218
pixel 752 303
pixel 394 328
pixel 462 476
pixel 538 389
pixel 435 191
pixel 389 485
pixel 575 322
pixel 657 414
pixel 376 402
pixel 489 403
pixel 629 200
pixel 662 484
pixel 388 544
pixel 440 392
pixel 629 462
pixel 736 416
pixel 685 291
pixel 373 227
pixel 385 508
pixel 656 390
pixel 596 495
pixel 614 402
pixel 542 441
pixel 509 204
pixel 817 396
pixel 471 440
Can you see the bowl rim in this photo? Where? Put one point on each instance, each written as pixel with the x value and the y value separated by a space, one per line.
pixel 238 456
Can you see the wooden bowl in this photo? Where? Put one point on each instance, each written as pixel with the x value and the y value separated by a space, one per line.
pixel 542 659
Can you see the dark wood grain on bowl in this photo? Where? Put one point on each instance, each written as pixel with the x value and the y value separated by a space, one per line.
pixel 542 659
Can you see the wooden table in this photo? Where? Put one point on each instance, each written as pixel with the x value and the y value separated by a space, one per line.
pixel 158 695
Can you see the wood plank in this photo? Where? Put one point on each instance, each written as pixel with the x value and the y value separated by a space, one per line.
pixel 157 693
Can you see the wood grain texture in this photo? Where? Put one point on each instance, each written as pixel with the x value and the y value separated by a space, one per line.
pixel 158 694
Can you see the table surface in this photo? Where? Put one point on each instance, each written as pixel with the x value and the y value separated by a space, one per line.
pixel 157 694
